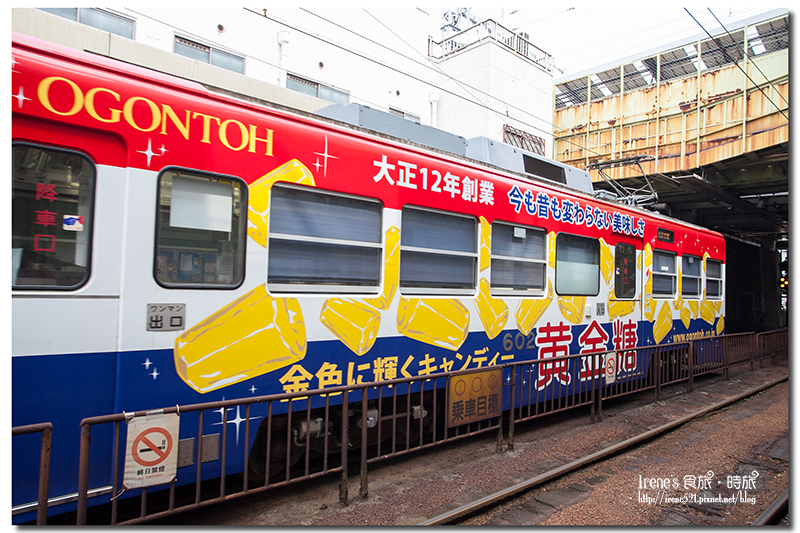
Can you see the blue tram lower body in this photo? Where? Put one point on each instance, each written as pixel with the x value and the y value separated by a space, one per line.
pixel 64 389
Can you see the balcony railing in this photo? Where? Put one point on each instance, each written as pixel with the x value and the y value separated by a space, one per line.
pixel 489 29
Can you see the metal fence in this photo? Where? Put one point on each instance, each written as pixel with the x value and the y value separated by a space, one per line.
pixel 46 429
pixel 376 421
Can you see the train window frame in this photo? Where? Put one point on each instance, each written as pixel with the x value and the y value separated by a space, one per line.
pixel 561 266
pixel 52 220
pixel 410 253
pixel 695 279
pixel 187 253
pixel 277 239
pixel 715 279
pixel 517 259
pixel 671 274
pixel 619 272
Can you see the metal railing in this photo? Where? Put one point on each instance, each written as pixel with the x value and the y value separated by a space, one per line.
pixel 397 424
pixel 489 29
pixel 374 421
pixel 46 429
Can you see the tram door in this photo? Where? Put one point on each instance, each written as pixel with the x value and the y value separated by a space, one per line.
pixel 624 301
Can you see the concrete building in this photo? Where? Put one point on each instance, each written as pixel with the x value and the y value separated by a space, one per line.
pixel 481 79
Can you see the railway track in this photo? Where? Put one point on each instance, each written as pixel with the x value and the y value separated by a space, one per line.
pixel 776 513
pixel 471 512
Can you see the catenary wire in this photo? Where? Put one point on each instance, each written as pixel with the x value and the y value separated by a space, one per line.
pixel 743 54
pixel 725 53
pixel 429 83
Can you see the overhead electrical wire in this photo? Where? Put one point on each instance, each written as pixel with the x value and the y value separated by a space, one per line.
pixel 413 77
pixel 438 69
pixel 744 54
pixel 466 87
pixel 725 53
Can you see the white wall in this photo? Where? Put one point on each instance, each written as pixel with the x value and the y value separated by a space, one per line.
pixel 378 56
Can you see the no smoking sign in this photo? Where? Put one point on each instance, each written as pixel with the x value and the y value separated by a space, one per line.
pixel 151 453
pixel 611 367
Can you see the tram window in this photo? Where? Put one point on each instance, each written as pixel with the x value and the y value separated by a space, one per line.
pixel 438 252
pixel 690 276
pixel 625 271
pixel 663 273
pixel 519 255
pixel 200 230
pixel 713 278
pixel 577 265
pixel 52 197
pixel 322 242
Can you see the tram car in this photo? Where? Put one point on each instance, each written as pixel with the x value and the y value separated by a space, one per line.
pixel 173 245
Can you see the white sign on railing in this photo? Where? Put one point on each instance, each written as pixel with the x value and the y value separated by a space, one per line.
pixel 151 453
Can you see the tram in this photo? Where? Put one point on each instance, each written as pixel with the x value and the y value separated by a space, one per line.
pixel 172 245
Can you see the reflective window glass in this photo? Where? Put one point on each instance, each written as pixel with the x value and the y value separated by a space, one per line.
pixel 52 195
pixel 200 230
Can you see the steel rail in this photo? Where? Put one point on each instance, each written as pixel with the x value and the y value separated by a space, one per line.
pixel 452 516
pixel 775 512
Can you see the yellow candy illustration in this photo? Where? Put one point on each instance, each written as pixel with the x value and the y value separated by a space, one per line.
pixel 720 325
pixel 391 271
pixel 717 304
pixel 686 316
pixel 572 307
pixel 258 198
pixel 353 322
pixel 486 244
pixel 707 309
pixel 251 336
pixel 649 303
pixel 530 310
pixel 606 261
pixel 694 306
pixel 442 323
pixel 492 312
pixel 648 257
pixel 620 308
pixel 663 324
pixel 551 249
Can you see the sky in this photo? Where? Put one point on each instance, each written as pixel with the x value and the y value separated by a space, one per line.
pixel 587 36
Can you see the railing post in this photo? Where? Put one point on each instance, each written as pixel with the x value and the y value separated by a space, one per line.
pixel 726 362
pixel 44 475
pixel 774 349
pixel 655 365
pixel 83 473
pixel 343 481
pixel 364 491
pixel 593 403
pixel 511 410
pixel 598 378
pixel 690 382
